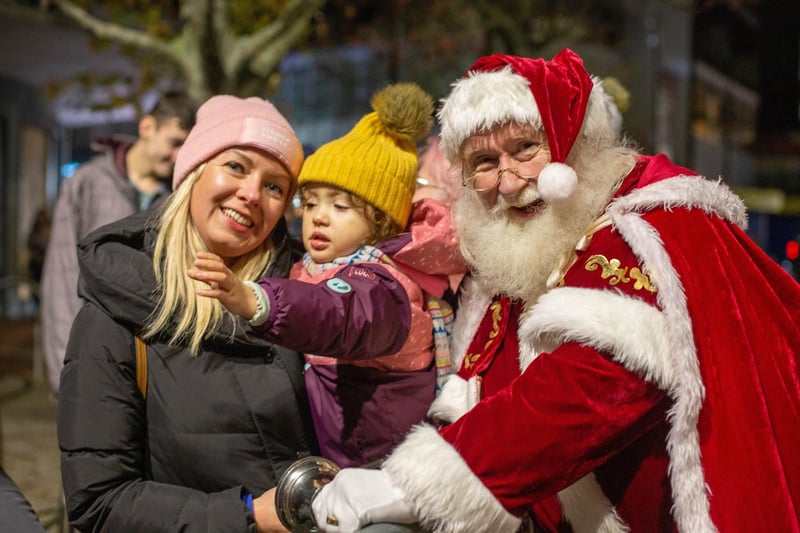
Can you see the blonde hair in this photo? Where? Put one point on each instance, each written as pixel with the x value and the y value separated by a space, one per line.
pixel 180 313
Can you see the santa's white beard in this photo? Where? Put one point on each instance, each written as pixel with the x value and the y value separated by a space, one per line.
pixel 515 256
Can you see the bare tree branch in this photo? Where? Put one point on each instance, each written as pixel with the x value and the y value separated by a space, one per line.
pixel 195 13
pixel 185 54
pixel 270 56
pixel 205 51
pixel 226 43
pixel 256 48
pixel 114 32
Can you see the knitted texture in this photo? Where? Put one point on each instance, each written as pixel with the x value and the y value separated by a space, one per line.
pixel 225 121
pixel 377 159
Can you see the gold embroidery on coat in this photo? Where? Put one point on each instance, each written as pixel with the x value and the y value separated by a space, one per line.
pixel 642 281
pixel 615 273
pixel 471 359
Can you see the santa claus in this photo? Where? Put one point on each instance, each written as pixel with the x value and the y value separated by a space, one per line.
pixel 626 355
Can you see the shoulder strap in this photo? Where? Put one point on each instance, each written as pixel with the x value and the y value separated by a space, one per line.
pixel 141 366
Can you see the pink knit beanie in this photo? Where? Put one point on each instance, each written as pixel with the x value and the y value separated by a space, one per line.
pixel 225 121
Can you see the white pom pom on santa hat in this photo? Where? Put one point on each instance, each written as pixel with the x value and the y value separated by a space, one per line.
pixel 557 183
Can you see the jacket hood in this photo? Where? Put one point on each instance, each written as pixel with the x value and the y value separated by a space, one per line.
pixel 112 143
pixel 116 274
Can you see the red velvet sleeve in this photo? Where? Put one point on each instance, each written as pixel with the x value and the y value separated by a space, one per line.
pixel 566 414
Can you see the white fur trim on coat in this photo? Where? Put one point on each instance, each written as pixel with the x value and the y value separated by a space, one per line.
pixel 591 317
pixel 441 489
pixel 687 480
pixel 691 192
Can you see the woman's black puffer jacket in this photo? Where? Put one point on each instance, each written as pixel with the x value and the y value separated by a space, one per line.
pixel 213 426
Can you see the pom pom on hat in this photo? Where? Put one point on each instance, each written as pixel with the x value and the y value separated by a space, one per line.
pixel 377 159
pixel 225 121
pixel 558 96
pixel 557 182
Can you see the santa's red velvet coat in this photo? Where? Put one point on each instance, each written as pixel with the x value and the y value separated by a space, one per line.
pixel 654 388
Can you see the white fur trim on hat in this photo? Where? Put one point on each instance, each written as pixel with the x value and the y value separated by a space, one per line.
pixel 482 100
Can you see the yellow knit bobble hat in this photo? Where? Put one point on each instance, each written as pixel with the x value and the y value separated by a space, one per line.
pixel 377 159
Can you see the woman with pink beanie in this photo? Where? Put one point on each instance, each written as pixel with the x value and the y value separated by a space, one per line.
pixel 193 432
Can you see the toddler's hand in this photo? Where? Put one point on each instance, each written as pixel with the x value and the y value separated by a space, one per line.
pixel 223 285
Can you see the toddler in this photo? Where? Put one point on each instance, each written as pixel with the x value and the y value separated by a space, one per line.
pixel 365 303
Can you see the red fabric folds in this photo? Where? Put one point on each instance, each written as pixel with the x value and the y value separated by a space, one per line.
pixel 745 310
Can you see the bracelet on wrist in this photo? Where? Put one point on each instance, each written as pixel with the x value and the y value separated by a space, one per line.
pixel 262 304
pixel 248 501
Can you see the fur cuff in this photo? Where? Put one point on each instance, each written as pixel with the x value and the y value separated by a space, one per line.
pixel 444 493
pixel 452 402
pixel 587 508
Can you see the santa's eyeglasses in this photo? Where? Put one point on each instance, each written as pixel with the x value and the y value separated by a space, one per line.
pixel 490 179
pixel 485 176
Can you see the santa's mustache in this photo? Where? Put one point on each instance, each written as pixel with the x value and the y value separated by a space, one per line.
pixel 527 197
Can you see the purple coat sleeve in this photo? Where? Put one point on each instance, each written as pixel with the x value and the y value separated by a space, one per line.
pixel 361 312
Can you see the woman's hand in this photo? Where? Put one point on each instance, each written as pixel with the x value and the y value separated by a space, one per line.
pixel 265 515
pixel 223 285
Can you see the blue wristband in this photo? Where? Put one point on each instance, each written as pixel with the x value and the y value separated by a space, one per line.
pixel 248 501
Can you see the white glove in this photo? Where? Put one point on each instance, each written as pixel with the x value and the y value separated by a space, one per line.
pixel 357 497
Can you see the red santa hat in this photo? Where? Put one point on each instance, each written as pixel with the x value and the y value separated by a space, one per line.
pixel 558 96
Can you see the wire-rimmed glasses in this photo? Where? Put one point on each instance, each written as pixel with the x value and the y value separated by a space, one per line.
pixel 485 175
pixel 482 181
